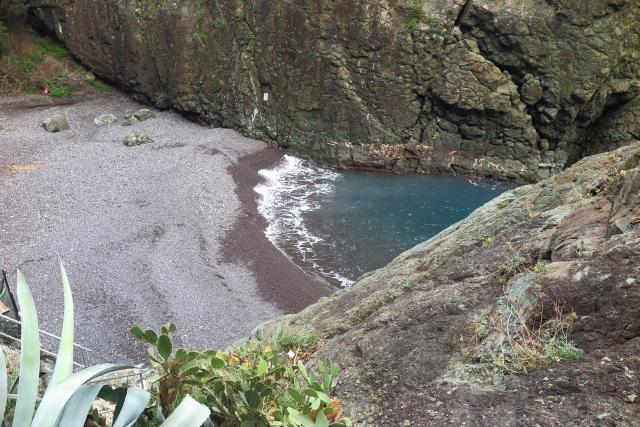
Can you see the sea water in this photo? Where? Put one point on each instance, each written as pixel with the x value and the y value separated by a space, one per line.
pixel 341 224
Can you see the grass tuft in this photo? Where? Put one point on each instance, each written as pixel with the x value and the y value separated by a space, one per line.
pixel 100 85
pixel 528 347
pixel 305 341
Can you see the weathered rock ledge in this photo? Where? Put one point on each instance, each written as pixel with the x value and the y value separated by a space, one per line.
pixel 420 339
pixel 513 89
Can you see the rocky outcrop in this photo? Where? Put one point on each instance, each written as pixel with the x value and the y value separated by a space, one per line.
pixel 430 339
pixel 511 88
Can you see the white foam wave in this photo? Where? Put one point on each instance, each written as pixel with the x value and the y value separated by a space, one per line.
pixel 291 189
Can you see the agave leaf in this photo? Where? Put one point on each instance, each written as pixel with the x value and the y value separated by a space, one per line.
pixel 29 356
pixel 134 404
pixel 76 410
pixel 4 392
pixel 164 346
pixel 189 413
pixel 64 361
pixel 55 399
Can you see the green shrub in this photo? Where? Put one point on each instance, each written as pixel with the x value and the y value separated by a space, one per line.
pixel 251 385
pixel 59 89
pixel 303 341
pixel 557 349
pixel 488 241
pixel 416 15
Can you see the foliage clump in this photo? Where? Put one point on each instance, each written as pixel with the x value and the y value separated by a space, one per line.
pixel 415 15
pixel 531 347
pixel 298 341
pixel 38 65
pixel 251 385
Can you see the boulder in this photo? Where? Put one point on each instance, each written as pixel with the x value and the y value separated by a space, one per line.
pixel 56 123
pixel 137 138
pixel 130 121
pixel 144 114
pixel 105 119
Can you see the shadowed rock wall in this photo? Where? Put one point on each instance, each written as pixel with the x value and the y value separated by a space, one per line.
pixel 513 92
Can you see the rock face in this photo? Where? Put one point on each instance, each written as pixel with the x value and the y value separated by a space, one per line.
pixel 425 338
pixel 509 88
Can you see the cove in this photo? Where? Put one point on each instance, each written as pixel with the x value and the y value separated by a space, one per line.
pixel 341 224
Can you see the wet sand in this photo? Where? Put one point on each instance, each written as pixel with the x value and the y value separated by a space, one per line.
pixel 281 281
pixel 162 232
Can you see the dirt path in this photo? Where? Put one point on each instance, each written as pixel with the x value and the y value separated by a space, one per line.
pixel 140 229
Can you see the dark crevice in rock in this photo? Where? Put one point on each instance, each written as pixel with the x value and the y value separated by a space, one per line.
pixel 464 11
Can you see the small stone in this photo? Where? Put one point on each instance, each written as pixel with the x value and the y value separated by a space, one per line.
pixel 105 119
pixel 90 77
pixel 632 398
pixel 144 114
pixel 137 138
pixel 605 360
pixel 631 281
pixel 130 121
pixel 56 123
pixel 291 354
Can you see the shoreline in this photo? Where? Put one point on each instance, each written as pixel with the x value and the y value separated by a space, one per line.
pixel 280 281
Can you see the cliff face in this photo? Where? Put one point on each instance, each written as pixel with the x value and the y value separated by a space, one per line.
pixel 509 88
pixel 446 332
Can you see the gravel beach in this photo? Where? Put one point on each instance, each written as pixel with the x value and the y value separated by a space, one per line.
pixel 149 234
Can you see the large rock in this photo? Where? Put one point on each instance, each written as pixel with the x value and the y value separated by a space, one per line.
pixel 144 114
pixel 137 138
pixel 56 123
pixel 105 119
pixel 514 91
pixel 423 339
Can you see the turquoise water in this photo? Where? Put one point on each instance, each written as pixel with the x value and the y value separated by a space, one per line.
pixel 340 225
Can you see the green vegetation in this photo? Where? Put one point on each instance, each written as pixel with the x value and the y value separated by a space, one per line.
pixel 69 396
pixel 36 65
pixel 100 85
pixel 51 47
pixel 532 347
pixel 415 15
pixel 488 241
pixel 251 385
pixel 306 341
pixel 539 267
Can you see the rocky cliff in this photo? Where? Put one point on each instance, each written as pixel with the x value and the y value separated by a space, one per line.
pixel 513 89
pixel 525 313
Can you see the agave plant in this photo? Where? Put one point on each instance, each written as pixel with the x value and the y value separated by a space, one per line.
pixel 70 395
